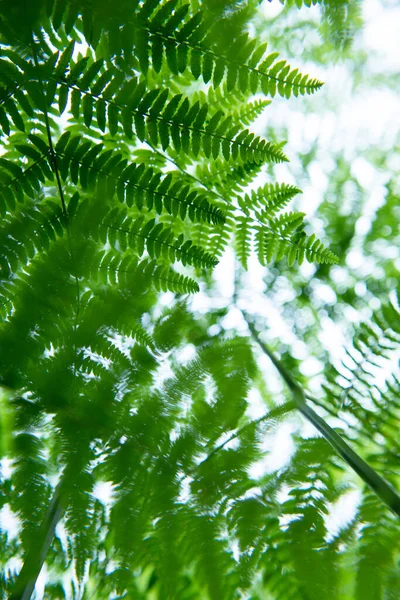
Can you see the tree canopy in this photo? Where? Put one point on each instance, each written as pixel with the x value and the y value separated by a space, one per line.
pixel 176 419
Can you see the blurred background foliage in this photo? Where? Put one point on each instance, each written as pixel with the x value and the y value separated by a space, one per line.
pixel 343 145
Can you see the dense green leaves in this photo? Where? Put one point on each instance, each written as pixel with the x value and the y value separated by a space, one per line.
pixel 158 119
pixel 130 163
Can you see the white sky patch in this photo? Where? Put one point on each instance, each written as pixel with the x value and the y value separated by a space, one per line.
pixel 341 513
pixel 167 298
pixel 6 468
pixel 381 34
pixel 311 367
pixel 279 448
pixel 13 565
pixel 354 258
pixel 233 319
pixel 256 406
pixel 184 494
pixel 272 9
pixel 186 354
pixel 331 337
pixel 41 582
pixel 363 171
pixel 9 522
pixel 164 372
pixel 103 491
pixel 323 293
pixel 229 444
pixel 225 274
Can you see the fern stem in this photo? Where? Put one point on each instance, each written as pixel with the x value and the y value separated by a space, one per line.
pixel 53 156
pixel 378 484
pixel 318 403
pixel 36 554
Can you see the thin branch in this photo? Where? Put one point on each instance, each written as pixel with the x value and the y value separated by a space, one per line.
pixel 378 484
pixel 35 557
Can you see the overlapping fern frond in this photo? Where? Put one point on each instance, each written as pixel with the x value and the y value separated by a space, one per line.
pixel 374 347
pixel 366 384
pixel 341 18
pixel 117 182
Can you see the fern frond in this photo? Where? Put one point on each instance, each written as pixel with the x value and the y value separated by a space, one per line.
pixel 12 91
pixel 272 243
pixel 186 41
pixel 304 508
pixel 30 478
pixel 220 99
pixel 170 328
pixel 226 178
pixel 112 267
pixel 377 550
pixel 382 229
pixel 243 240
pixel 353 384
pixel 277 236
pixel 133 184
pixel 340 18
pixel 92 224
pixel 16 181
pixel 313 250
pixel 271 198
pixel 161 120
pixel 80 520
pixel 158 240
pixel 28 232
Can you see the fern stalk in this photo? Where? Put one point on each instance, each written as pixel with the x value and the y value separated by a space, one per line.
pixel 376 482
pixel 53 157
pixel 36 555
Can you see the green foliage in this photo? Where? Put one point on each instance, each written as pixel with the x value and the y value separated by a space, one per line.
pixel 128 166
pixel 340 18
pixel 354 386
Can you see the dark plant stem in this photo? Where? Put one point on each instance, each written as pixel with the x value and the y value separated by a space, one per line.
pixel 35 557
pixel 53 157
pixel 380 486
